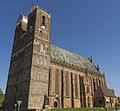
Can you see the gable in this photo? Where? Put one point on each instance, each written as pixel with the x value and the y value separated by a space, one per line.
pixel 105 91
pixel 99 93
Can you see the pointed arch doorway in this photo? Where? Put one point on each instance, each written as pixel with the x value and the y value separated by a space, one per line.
pixel 55 104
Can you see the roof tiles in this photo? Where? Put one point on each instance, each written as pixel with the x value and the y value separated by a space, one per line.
pixel 71 58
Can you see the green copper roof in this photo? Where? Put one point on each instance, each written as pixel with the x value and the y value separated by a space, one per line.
pixel 71 58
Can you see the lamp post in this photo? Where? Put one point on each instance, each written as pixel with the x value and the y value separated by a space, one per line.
pixel 19 103
pixel 15 106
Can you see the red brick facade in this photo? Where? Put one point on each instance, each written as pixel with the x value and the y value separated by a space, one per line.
pixel 83 94
pixel 39 69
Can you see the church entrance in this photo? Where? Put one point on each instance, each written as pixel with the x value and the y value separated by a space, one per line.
pixel 55 104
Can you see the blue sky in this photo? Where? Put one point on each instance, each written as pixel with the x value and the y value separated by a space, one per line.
pixel 85 27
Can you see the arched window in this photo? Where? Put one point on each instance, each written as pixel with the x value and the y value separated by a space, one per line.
pixel 99 82
pixel 76 86
pixel 88 90
pixel 30 23
pixel 72 92
pixel 57 81
pixel 55 104
pixel 41 48
pixel 88 99
pixel 94 84
pixel 67 84
pixel 43 20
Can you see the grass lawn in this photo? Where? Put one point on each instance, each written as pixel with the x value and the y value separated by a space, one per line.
pixel 84 109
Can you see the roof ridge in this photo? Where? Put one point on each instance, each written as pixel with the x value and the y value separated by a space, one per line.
pixel 69 51
pixel 70 57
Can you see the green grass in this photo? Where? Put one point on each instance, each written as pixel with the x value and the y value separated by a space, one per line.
pixel 84 109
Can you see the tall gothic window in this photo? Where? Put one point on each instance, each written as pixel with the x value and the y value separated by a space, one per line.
pixel 94 84
pixel 57 81
pixel 76 86
pixel 88 90
pixel 99 82
pixel 67 84
pixel 72 92
pixel 88 99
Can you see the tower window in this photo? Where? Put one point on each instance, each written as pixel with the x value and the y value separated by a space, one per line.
pixel 42 48
pixel 31 23
pixel 99 82
pixel 43 20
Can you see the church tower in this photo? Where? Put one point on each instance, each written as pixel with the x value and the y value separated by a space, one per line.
pixel 29 67
pixel 40 21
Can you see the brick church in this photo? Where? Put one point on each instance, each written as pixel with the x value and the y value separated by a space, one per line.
pixel 43 75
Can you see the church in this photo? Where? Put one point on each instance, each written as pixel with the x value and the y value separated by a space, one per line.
pixel 43 75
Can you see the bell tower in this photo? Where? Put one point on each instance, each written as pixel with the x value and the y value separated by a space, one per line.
pixel 39 21
pixel 30 60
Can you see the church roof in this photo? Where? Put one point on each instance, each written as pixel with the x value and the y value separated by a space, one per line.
pixel 71 58
pixel 105 91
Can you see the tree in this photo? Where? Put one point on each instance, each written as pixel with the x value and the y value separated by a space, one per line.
pixel 1 97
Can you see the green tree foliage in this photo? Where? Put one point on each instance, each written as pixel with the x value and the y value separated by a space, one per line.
pixel 1 97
